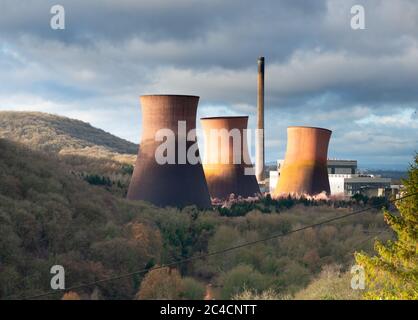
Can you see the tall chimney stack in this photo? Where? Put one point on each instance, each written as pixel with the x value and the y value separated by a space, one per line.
pixel 259 147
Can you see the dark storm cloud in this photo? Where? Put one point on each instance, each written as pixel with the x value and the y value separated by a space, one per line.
pixel 241 29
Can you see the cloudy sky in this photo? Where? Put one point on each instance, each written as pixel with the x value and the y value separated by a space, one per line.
pixel 362 84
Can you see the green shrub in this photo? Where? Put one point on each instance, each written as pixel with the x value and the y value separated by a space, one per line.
pixel 268 294
pixel 193 289
pixel 241 277
pixel 331 284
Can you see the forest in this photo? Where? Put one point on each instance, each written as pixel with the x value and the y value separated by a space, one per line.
pixel 69 209
pixel 51 213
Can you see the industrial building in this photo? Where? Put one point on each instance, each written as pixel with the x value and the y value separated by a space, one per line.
pixel 336 166
pixel 227 158
pixel 345 179
pixel 178 184
pixel 304 170
pixel 351 184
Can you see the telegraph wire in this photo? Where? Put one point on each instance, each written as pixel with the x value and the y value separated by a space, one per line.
pixel 373 235
pixel 209 254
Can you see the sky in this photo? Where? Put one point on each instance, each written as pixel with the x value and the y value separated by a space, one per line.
pixel 361 84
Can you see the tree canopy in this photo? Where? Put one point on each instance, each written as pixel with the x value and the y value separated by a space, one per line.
pixel 393 272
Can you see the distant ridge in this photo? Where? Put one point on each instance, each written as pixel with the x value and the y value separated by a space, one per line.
pixel 53 133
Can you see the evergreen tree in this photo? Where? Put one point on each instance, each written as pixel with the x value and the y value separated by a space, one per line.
pixel 393 272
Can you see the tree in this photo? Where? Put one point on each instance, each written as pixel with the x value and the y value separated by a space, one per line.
pixel 330 284
pixel 71 295
pixel 393 272
pixel 240 278
pixel 193 289
pixel 164 283
pixel 268 294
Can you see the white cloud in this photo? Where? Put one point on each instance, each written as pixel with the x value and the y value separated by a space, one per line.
pixel 399 120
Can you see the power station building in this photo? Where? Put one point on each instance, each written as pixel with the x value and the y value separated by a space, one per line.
pixel 177 184
pixel 345 179
pixel 227 164
pixel 306 169
pixel 336 166
pixel 351 184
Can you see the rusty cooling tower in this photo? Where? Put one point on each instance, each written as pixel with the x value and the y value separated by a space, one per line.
pixel 177 183
pixel 304 171
pixel 227 158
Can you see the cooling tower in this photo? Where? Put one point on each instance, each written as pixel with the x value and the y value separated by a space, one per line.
pixel 304 171
pixel 172 184
pixel 227 158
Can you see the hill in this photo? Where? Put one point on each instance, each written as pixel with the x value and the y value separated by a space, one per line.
pixel 48 216
pixel 53 133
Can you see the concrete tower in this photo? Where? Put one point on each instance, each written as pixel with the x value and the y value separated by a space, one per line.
pixel 227 158
pixel 179 184
pixel 304 171
pixel 259 147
